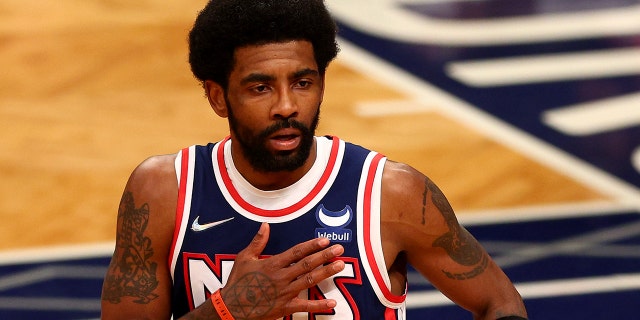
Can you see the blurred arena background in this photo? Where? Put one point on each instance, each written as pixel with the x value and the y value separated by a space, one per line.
pixel 525 112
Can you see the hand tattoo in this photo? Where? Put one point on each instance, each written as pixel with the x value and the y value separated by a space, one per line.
pixel 251 297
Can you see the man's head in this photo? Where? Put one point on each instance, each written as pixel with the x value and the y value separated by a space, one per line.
pixel 225 25
pixel 262 64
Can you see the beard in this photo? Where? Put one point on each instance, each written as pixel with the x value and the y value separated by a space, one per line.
pixel 261 159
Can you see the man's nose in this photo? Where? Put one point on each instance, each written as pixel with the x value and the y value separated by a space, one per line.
pixel 285 107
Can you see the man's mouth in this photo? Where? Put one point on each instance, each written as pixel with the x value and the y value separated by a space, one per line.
pixel 285 137
pixel 285 140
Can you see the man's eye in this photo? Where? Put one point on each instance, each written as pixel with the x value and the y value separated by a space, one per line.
pixel 304 83
pixel 260 88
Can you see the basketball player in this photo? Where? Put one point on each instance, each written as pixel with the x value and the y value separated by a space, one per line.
pixel 274 221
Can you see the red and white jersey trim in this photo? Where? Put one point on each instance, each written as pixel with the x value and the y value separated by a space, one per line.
pixel 284 204
pixel 369 239
pixel 185 162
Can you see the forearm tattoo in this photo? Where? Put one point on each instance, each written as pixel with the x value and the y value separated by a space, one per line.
pixel 131 273
pixel 251 297
pixel 458 242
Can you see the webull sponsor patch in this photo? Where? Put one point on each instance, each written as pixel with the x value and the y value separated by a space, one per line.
pixel 333 224
pixel 334 234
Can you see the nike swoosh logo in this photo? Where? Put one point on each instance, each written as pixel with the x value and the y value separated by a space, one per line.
pixel 196 226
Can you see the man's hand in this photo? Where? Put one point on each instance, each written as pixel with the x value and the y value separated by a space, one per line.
pixel 268 288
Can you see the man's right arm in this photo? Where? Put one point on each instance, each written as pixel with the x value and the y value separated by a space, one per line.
pixel 138 283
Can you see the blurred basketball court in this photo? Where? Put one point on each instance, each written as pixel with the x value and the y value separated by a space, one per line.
pixel 525 112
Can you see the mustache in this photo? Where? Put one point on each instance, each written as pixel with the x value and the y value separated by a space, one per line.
pixel 282 124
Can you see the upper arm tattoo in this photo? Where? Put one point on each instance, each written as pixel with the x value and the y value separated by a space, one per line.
pixel 131 272
pixel 458 242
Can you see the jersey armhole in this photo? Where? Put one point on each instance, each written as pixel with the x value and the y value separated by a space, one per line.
pixel 184 165
pixel 369 236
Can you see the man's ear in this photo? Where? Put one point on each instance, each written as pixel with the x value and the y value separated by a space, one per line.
pixel 215 94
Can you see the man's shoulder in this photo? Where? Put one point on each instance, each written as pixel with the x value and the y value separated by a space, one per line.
pixel 400 169
pixel 401 178
pixel 156 169
pixel 158 162
pixel 154 181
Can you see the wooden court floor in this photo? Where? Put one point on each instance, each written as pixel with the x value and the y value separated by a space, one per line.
pixel 89 89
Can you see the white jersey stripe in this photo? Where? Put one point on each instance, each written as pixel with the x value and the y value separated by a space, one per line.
pixel 369 224
pixel 274 209
pixel 184 196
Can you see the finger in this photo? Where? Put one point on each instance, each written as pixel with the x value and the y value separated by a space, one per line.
pixel 311 306
pixel 259 242
pixel 300 251
pixel 309 263
pixel 318 274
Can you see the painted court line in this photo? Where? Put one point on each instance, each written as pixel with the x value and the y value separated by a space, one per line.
pixel 542 212
pixel 498 248
pixel 546 68
pixel 49 304
pixel 55 253
pixel 598 116
pixel 543 289
pixel 25 278
pixel 568 246
pixel 404 25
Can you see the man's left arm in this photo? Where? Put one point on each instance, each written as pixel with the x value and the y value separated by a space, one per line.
pixel 443 251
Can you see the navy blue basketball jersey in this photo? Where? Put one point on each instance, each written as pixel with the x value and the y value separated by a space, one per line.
pixel 219 213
